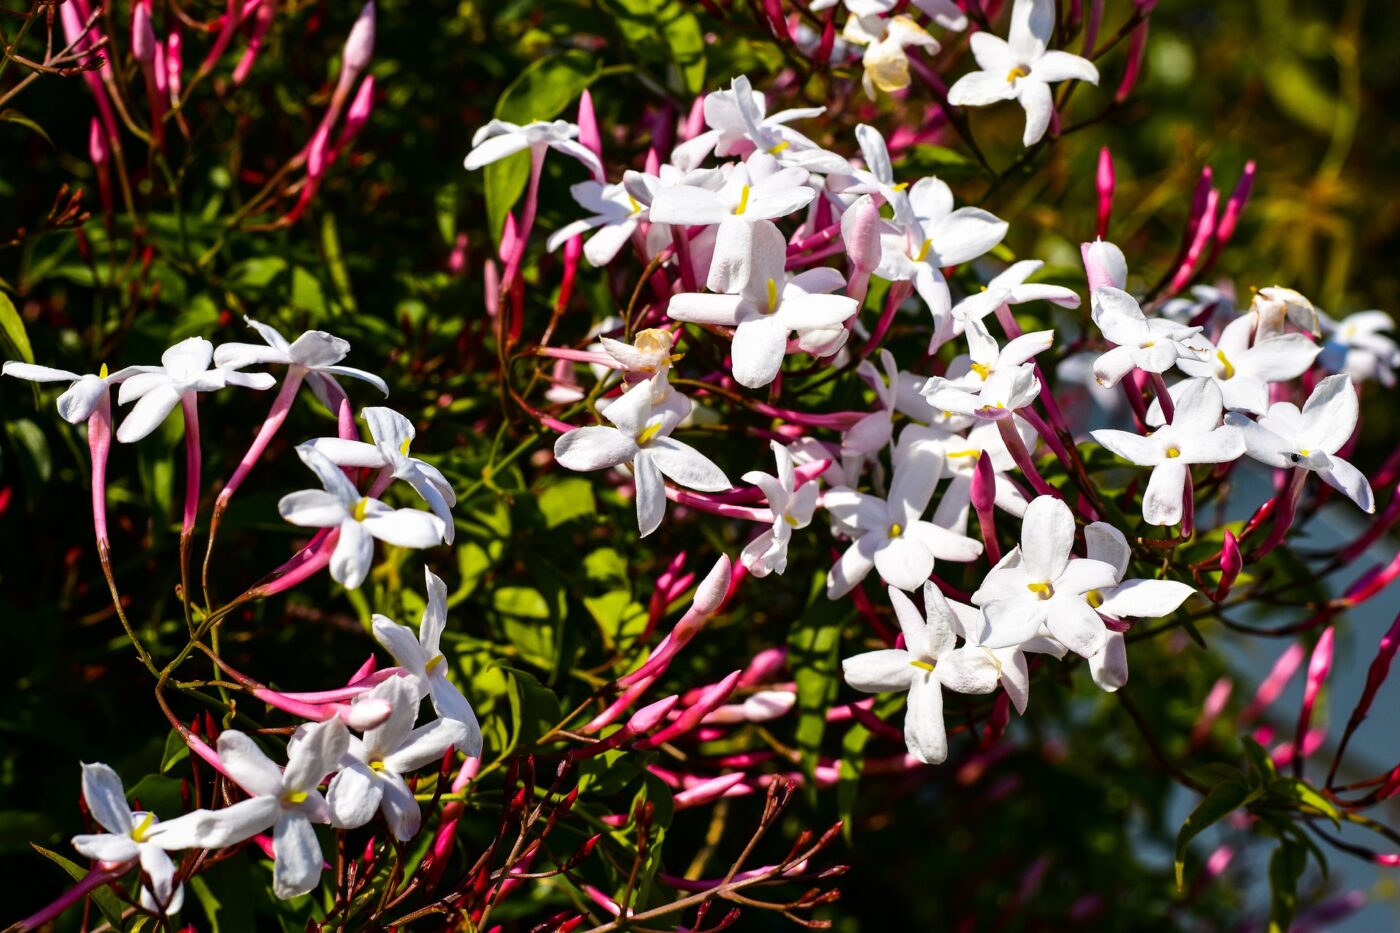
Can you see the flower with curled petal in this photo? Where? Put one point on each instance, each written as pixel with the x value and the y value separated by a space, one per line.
pixel 316 352
pixel 1039 586
pixel 499 139
pixel 358 518
pixel 1152 345
pixel 928 664
pixel 1021 68
pixel 371 773
pixel 1010 287
pixel 1195 435
pixel 183 370
pixel 792 507
pixel 739 123
pixel 1244 364
pixel 1308 439
pixel 393 436
pixel 84 393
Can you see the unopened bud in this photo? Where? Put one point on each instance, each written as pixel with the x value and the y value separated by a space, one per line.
pixel 1105 265
pixel 360 45
pixel 712 590
pixel 860 230
pixel 143 37
pixel 97 144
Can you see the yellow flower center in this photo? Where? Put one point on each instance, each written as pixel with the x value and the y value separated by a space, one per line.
pixel 403 448
pixel 648 433
pixel 295 797
pixel 778 149
pixel 102 373
pixel 1094 598
pixel 1020 71
pixel 138 832
pixel 361 508
pixel 896 530
pixel 1304 452
pixel 434 662
pixel 1043 590
pixel 1173 452
pixel 921 665
pixel 982 369
pixel 376 765
pixel 790 520
pixel 923 251
pixel 1227 368
pixel 743 200
pixel 901 186
pixel 772 296
pixel 964 453
pixel 636 208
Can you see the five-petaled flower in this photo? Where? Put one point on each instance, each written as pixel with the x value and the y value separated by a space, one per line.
pixel 792 507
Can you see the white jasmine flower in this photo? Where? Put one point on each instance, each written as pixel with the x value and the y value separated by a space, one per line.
pixel 315 351
pixel 885 39
pixel 84 393
pixel 791 508
pixel 393 435
pixel 999 396
pixel 643 420
pixel 371 773
pixel 1152 345
pixel 985 358
pixel 499 139
pixel 890 533
pixel 1244 372
pixel 615 215
pixel 769 309
pixel 1309 439
pixel 1355 346
pixel 358 518
pixel 729 129
pixel 1010 288
pixel 928 663
pixel 937 237
pixel 945 13
pixel 1273 308
pixel 1194 436
pixel 1039 584
pixel 1021 69
pixel 184 370
pixel 421 656
pixel 755 192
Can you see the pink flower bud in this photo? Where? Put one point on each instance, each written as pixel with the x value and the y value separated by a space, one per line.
pixel 588 134
pixel 712 590
pixel 860 229
pixel 359 46
pixel 650 716
pixel 1230 565
pixel 1105 183
pixel 1319 666
pixel 1136 51
pixel 97 144
pixel 143 37
pixel 366 714
pixel 360 108
pixel 1105 265
pixel 1273 684
pixel 708 791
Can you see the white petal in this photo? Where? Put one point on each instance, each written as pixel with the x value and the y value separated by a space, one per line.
pixel 1162 502
pixel 1109 667
pixel 316 754
pixel 757 353
pixel 106 799
pixel 853 566
pixel 904 562
pixel 686 465
pixel 968 670
pixel 1075 625
pixel 1011 622
pixel 651 492
pixel 980 88
pixel 214 829
pixel 593 448
pixel 1330 414
pixel 426 745
pixel 880 671
pixel 148 414
pixel 401 811
pixel 405 527
pixel 1351 482
pixel 494 149
pixel 312 508
pixel 1146 599
pixel 353 555
pixel 924 733
pixel 1105 543
pixel 353 796
pixel 247 764
pixel 109 847
pixel 82 398
pixel 1047 535
pixel 161 872
pixel 400 642
pixel 1062 66
pixel 297 868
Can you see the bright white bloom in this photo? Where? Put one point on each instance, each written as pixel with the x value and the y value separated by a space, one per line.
pixel 778 140
pixel 937 237
pixel 1244 372
pixel 649 352
pixel 928 663
pixel 985 358
pixel 873 430
pixel 643 420
pixel 499 139
pixel 287 800
pixel 134 835
pixel 1194 436
pixel 999 396
pixel 1150 344
pixel 731 121
pixel 1309 439
pixel 421 656
pixel 615 215
pixel 885 39
pixel 1139 599
pixel 960 456
pixel 769 309
pixel 877 178
pixel 755 193
pixel 82 397
pixel 183 370
pixel 393 435
pixel 1039 584
pixel 1355 346
pixel 945 13
pixel 890 534
pixel 791 508
pixel 371 773
pixel 1021 69
pixel 316 352
pixel 359 519
pixel 1010 288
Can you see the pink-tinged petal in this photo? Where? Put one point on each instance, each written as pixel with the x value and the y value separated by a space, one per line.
pixel 1109 667
pixel 1146 599
pixel 1047 535
pixel 106 799
pixel 880 671
pixel 1162 502
pixel 248 766
pixel 1075 625
pixel 296 869
pixel 924 734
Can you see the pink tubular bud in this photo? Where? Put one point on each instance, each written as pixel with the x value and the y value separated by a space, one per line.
pixel 773 9
pixel 174 65
pixel 860 229
pixel 828 42
pixel 1230 565
pixel 765 663
pixel 1235 206
pixel 97 144
pixel 1105 184
pixel 1104 264
pixel 143 37
pixel 1372 582
pixel 709 596
pixel 693 716
pixel 366 714
pixel 1136 51
pixel 695 120
pixel 588 135
pixel 1319 666
pixel 359 46
pixel 650 716
pixel 1274 683
pixel 984 483
pixel 1212 708
pixel 707 791
pixel 360 108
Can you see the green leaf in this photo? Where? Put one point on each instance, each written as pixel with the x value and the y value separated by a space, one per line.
pixel 225 892
pixel 566 500
pixel 1285 868
pixel 35 460
pixel 1303 794
pixel 663 32
pixel 813 645
pixel 14 116
pixel 541 92
pixel 534 709
pixel 175 751
pixel 1222 800
pixel 103 897
pixel 12 325
pixel 157 794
